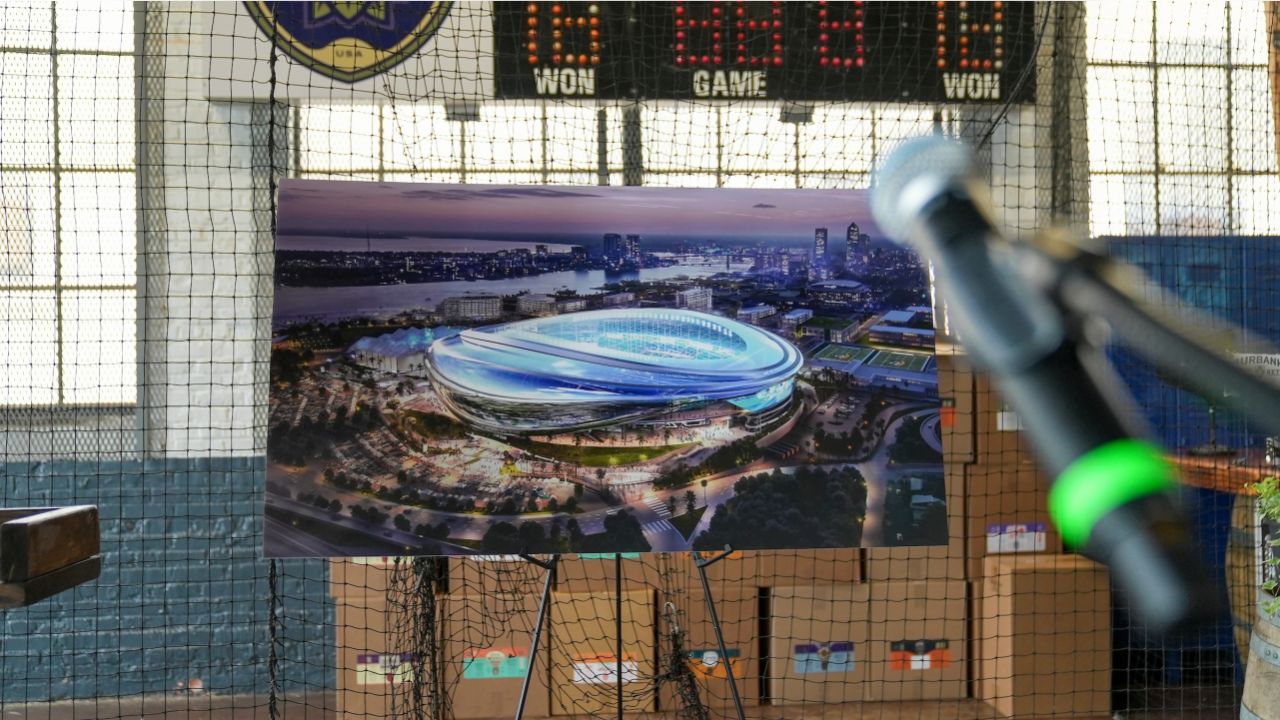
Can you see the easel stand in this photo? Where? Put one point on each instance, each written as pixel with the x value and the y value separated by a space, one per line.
pixel 702 564
pixel 550 567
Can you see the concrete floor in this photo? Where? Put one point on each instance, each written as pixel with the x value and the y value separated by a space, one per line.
pixel 1212 702
pixel 1208 703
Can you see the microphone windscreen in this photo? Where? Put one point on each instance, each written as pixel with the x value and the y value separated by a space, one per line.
pixel 935 159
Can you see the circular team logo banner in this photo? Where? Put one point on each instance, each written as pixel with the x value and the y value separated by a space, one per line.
pixel 349 41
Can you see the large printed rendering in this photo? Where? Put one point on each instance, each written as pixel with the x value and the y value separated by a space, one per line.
pixel 472 369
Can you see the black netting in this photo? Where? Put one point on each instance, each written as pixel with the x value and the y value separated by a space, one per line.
pixel 143 149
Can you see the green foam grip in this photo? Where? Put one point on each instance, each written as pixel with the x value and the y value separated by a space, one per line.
pixel 1102 480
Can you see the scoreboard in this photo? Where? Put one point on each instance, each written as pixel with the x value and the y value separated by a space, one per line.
pixel 971 52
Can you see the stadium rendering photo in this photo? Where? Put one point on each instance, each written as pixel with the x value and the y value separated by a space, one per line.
pixel 750 368
pixel 611 367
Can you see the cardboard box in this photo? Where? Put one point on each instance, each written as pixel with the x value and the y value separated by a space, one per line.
pixel 1044 642
pixel 371 670
pixel 596 572
pixel 584 652
pixel 489 637
pixel 501 574
pixel 998 438
pixel 956 395
pixel 928 562
pixel 1008 514
pixel 917 647
pixel 817 644
pixel 740 624
pixel 351 577
pixel 808 567
pixel 737 570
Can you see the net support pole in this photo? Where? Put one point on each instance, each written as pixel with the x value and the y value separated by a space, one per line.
pixel 550 567
pixel 702 564
pixel 617 625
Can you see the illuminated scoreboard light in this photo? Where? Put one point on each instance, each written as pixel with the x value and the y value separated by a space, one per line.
pixel 974 37
pixel 738 34
pixel 942 52
pixel 842 45
pixel 971 48
pixel 565 35
pixel 727 48
pixel 560 51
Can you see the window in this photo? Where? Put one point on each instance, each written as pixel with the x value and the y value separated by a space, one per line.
pixel 1180 128
pixel 512 143
pixel 68 225
pixel 684 144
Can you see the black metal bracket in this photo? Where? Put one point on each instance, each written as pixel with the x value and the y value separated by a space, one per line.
pixel 550 567
pixel 702 564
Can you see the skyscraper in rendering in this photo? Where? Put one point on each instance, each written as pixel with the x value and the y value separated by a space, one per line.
pixel 613 248
pixel 819 246
pixel 859 248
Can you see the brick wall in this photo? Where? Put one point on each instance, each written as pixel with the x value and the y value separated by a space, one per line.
pixel 183 592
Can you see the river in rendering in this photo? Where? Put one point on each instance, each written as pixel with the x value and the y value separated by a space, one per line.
pixel 330 304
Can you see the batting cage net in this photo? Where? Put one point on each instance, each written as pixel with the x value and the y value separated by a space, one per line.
pixel 256 254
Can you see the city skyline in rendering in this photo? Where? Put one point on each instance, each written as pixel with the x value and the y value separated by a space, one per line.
pixel 435 393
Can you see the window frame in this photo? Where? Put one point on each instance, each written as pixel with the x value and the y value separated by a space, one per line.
pixel 83 412
pixel 1163 216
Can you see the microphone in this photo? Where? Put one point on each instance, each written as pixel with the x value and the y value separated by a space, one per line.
pixel 1112 496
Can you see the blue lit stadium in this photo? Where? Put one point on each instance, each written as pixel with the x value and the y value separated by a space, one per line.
pixel 610 367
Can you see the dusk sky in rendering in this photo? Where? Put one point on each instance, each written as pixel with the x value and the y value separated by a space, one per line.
pixel 322 207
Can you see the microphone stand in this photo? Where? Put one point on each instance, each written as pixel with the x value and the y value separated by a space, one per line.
pixel 1088 287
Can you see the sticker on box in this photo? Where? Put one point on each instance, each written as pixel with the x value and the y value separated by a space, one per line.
pixel 496 663
pixel 1007 420
pixel 384 669
pixel 603 669
pixel 609 556
pixel 947 413
pixel 828 657
pixel 1016 538
pixel 919 655
pixel 379 562
pixel 710 664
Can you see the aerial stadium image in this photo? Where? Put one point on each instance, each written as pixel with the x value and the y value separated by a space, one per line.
pixel 609 367
pixel 462 370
